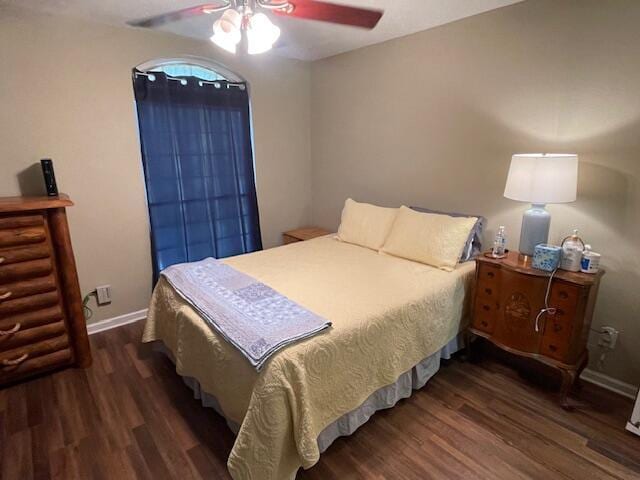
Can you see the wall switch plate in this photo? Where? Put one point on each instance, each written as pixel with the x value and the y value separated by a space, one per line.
pixel 103 294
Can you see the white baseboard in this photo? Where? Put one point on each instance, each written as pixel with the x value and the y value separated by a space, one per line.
pixel 114 322
pixel 605 381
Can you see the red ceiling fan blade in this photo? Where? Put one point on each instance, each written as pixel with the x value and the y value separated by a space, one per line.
pixel 332 13
pixel 158 20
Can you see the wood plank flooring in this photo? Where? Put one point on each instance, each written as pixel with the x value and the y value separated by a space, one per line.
pixel 130 416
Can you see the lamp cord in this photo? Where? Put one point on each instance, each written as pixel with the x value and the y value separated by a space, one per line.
pixel 547 309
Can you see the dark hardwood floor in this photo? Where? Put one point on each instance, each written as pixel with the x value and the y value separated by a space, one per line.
pixel 130 416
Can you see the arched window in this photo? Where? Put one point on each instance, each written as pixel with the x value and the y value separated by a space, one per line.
pixel 195 136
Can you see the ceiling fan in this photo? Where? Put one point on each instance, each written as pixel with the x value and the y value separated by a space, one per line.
pixel 243 19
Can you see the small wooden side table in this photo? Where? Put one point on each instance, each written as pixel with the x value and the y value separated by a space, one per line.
pixel 302 234
pixel 509 297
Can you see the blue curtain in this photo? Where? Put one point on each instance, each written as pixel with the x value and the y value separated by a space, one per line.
pixel 198 168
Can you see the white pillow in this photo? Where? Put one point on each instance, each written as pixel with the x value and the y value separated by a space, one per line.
pixel 365 224
pixel 437 240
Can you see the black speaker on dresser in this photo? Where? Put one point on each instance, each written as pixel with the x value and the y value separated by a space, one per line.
pixel 49 177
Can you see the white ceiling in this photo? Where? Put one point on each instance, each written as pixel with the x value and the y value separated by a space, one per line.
pixel 301 39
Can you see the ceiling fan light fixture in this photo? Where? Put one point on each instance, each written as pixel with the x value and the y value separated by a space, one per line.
pixel 226 31
pixel 261 34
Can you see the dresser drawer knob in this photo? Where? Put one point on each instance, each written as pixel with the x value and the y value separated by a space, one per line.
pixel 15 328
pixel 484 323
pixel 15 361
pixel 564 295
pixel 5 295
pixel 553 348
pixel 488 291
pixel 491 274
pixel 486 308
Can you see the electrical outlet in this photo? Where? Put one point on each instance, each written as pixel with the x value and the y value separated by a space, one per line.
pixel 608 337
pixel 103 294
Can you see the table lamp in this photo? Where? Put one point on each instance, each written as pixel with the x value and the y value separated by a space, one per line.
pixel 540 178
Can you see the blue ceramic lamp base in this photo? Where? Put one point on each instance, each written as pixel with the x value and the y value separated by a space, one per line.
pixel 535 228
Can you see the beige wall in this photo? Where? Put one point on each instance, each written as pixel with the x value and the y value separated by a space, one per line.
pixel 66 93
pixel 433 118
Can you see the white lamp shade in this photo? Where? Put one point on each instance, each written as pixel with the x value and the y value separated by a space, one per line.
pixel 543 178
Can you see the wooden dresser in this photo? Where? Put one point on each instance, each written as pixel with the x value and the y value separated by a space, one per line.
pixel 302 234
pixel 42 324
pixel 508 298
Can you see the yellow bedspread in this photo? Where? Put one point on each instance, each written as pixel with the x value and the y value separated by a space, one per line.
pixel 387 314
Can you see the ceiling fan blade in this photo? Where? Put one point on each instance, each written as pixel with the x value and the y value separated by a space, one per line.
pixel 332 13
pixel 158 20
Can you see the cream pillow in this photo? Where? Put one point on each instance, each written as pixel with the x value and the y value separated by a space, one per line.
pixel 436 240
pixel 365 224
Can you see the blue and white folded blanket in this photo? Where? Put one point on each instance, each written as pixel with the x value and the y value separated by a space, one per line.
pixel 250 315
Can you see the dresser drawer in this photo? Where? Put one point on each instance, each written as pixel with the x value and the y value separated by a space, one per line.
pixel 35 365
pixel 25 288
pixel 42 355
pixel 22 321
pixel 485 313
pixel 15 272
pixel 23 254
pixel 21 221
pixel 22 236
pixel 30 336
pixel 25 304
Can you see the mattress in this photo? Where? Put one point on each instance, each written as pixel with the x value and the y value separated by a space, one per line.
pixel 388 314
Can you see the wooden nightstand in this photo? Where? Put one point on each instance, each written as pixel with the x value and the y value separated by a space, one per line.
pixel 302 234
pixel 509 295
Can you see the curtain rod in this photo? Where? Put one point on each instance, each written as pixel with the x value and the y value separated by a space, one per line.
pixel 215 83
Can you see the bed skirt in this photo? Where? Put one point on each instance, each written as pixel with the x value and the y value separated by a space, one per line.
pixel 386 397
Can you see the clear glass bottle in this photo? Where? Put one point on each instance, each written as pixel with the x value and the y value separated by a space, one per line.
pixel 499 243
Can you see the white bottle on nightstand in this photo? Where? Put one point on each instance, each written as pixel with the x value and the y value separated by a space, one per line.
pixel 572 248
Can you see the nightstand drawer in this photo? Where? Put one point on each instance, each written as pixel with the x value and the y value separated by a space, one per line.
pixel 556 338
pixel 287 239
pixel 302 234
pixel 488 281
pixel 485 313
pixel 564 298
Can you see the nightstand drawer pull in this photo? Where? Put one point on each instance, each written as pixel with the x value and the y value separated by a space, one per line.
pixel 15 361
pixel 15 328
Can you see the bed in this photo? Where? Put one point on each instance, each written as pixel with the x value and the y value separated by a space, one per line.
pixel 392 321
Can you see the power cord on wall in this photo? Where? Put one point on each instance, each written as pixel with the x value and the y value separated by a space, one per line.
pixel 88 312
